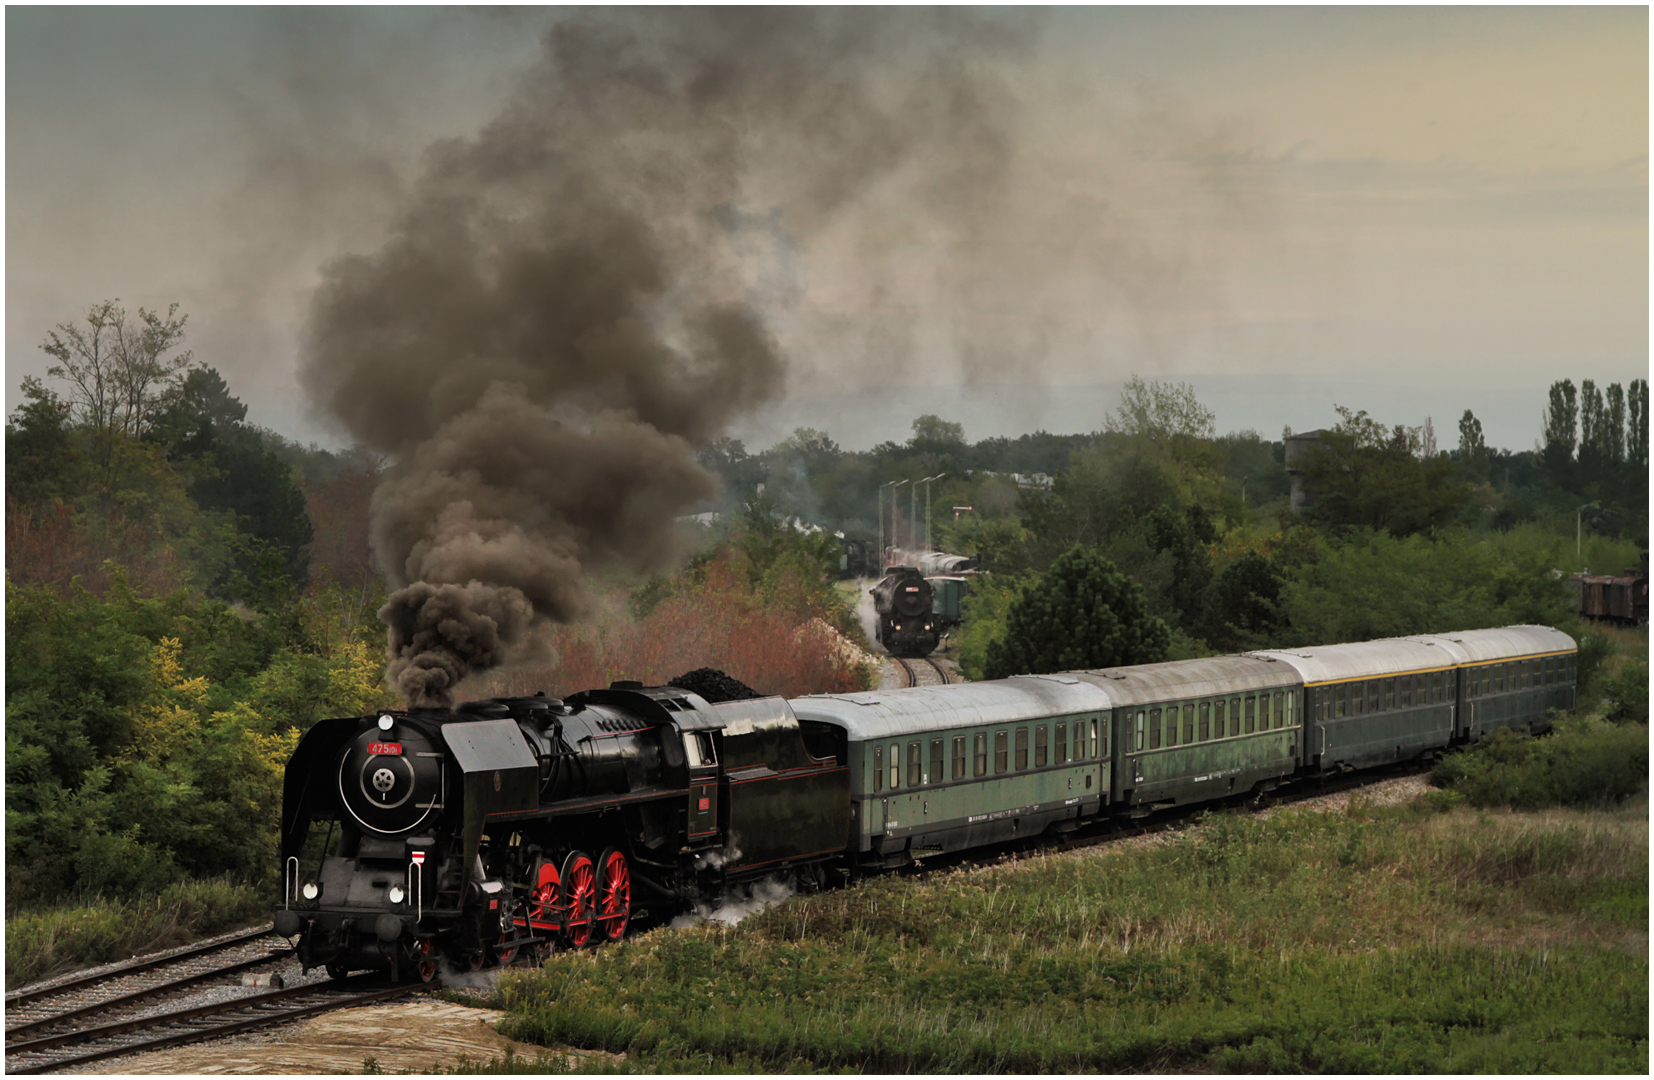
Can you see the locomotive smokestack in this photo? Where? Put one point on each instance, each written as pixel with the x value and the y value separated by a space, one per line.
pixel 563 312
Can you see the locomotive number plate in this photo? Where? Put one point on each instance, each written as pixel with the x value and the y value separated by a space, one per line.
pixel 913 588
pixel 385 748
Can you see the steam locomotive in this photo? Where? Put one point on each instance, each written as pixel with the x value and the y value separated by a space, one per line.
pixel 419 837
pixel 916 611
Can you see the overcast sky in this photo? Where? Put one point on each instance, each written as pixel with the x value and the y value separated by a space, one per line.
pixel 1409 210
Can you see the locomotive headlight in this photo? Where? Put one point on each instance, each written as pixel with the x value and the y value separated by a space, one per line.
pixel 385 723
pixel 311 890
pixel 396 894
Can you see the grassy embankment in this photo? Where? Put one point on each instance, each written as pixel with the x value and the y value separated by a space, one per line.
pixel 1436 937
pixel 97 930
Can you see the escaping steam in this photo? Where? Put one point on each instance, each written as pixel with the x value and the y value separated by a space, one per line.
pixel 567 305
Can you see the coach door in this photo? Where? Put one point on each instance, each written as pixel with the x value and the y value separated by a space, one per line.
pixel 703 784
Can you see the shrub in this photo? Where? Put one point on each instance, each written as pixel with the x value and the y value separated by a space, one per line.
pixel 1583 763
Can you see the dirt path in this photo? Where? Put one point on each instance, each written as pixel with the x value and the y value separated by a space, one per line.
pixel 420 1036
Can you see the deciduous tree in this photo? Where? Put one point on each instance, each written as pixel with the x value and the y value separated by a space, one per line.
pixel 1083 613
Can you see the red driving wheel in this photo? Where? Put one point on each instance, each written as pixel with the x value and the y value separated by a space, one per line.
pixel 545 915
pixel 503 953
pixel 579 894
pixel 614 894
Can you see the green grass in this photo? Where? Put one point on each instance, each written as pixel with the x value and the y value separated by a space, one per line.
pixel 47 941
pixel 1411 940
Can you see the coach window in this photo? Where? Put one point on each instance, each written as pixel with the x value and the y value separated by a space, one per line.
pixel 1099 746
pixel 1219 709
pixel 979 749
pixel 1042 747
pixel 1079 740
pixel 1154 729
pixel 938 763
pixel 895 766
pixel 1291 696
pixel 1022 748
pixel 1002 755
pixel 915 764
pixel 958 757
pixel 1188 724
pixel 1205 720
pixel 1171 725
pixel 1251 715
pixel 1275 711
pixel 878 768
pixel 1062 744
pixel 1438 687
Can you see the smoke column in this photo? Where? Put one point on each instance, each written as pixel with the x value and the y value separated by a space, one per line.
pixel 564 309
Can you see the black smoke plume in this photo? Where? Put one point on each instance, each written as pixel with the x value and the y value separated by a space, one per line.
pixel 564 310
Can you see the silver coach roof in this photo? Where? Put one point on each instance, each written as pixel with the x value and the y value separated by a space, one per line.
pixel 1422 652
pixel 1210 676
pixel 1506 642
pixel 1368 659
pixel 891 714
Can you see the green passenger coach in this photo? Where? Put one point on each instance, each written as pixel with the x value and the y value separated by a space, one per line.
pixel 944 768
pixel 936 769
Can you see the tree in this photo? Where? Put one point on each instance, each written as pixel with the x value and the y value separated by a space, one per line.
pixel 1243 606
pixel 1561 432
pixel 1169 426
pixel 1613 424
pixel 1363 475
pixel 1636 428
pixel 118 372
pixel 1083 613
pixel 1177 535
pixel 931 432
pixel 1473 459
pixel 40 453
pixel 1591 435
pixel 237 473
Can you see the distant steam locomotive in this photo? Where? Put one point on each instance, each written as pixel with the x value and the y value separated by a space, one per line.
pixel 916 611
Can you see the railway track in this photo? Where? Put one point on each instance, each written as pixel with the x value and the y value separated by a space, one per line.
pixel 158 1029
pixel 184 996
pixel 940 673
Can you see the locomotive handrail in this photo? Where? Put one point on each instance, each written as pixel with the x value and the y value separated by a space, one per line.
pixel 290 882
pixel 416 888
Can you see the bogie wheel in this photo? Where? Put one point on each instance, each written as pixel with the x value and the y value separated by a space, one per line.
pixel 579 895
pixel 425 959
pixel 614 894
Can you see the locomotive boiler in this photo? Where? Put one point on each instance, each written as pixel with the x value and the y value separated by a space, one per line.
pixel 462 835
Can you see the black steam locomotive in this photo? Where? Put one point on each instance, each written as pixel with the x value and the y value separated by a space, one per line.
pixel 463 835
pixel 915 611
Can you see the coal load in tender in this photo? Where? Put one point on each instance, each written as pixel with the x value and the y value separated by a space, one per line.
pixel 714 686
